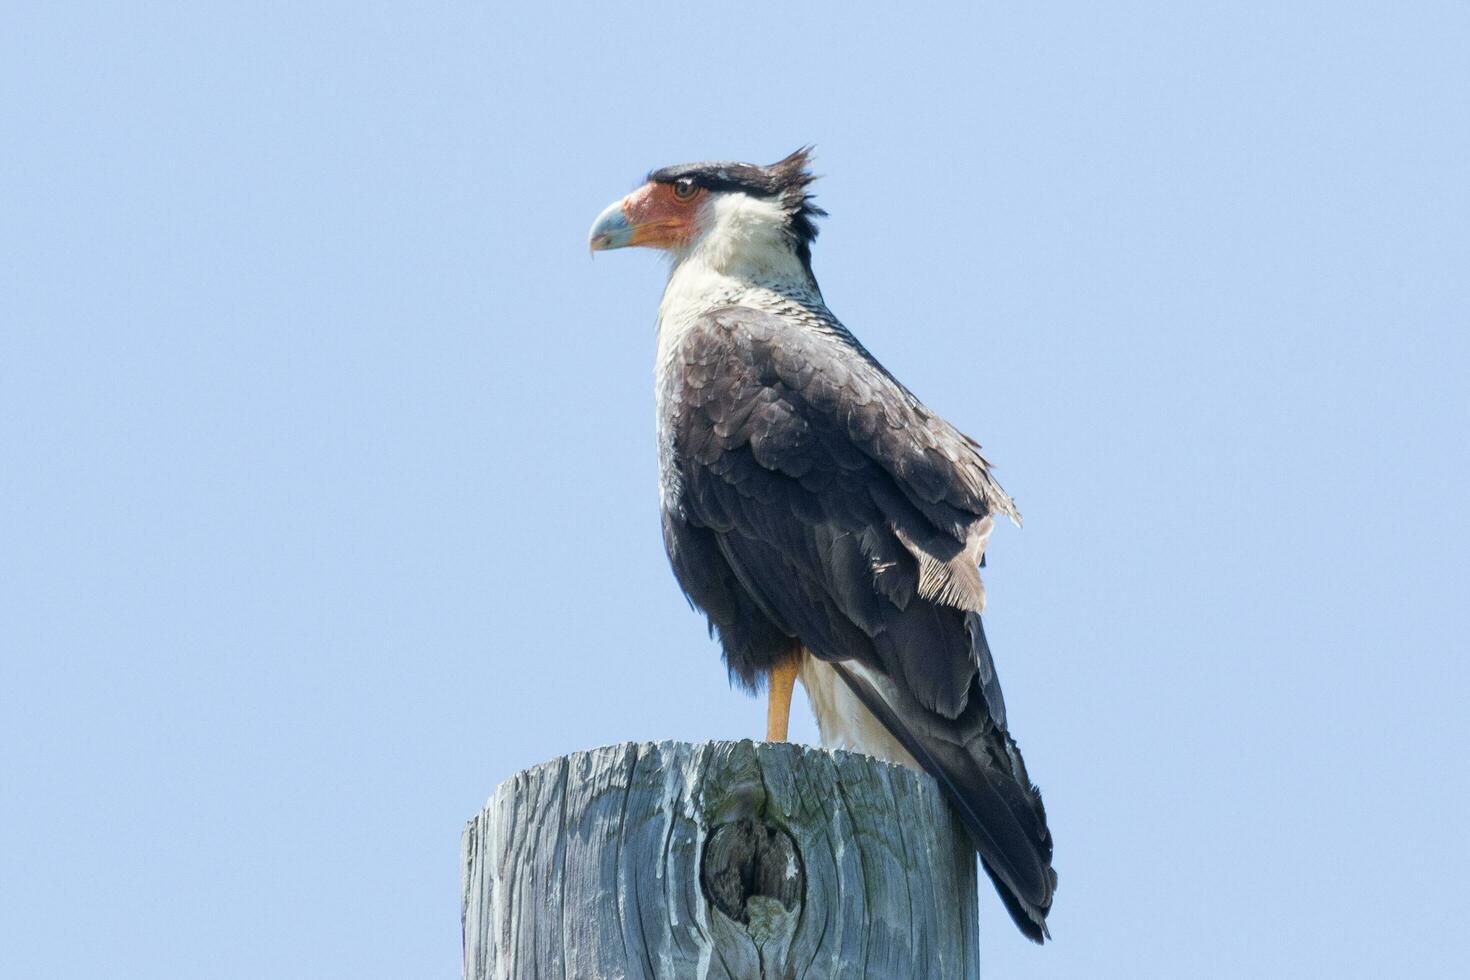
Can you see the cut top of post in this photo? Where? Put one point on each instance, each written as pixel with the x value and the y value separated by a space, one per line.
pixel 722 859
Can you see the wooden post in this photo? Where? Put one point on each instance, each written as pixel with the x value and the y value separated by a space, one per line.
pixel 733 860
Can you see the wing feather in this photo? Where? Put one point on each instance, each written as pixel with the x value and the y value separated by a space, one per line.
pixel 812 500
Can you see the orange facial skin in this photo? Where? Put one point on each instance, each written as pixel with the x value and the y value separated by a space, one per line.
pixel 660 219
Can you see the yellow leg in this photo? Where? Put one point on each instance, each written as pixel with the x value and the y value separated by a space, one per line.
pixel 778 709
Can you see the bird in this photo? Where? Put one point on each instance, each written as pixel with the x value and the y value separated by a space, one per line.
pixel 828 524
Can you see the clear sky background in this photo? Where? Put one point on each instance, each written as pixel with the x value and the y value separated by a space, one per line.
pixel 328 477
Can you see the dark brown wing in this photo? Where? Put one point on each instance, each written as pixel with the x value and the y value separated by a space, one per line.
pixel 809 497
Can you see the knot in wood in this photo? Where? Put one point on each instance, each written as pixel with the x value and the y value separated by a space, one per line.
pixel 748 860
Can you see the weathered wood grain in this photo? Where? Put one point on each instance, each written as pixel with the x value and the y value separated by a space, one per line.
pixel 723 860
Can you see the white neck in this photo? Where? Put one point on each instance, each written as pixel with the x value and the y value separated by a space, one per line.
pixel 743 256
pixel 744 237
pixel 697 286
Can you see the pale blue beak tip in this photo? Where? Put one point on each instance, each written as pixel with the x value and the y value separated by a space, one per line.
pixel 610 230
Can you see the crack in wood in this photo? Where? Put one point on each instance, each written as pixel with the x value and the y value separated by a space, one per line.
pixel 726 859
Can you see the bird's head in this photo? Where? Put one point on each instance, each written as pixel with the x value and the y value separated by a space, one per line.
pixel 727 213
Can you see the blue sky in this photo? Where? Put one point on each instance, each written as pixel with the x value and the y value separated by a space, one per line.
pixel 329 485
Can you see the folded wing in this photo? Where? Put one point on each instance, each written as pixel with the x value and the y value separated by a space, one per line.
pixel 812 500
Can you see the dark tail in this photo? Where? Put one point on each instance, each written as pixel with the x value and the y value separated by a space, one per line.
pixel 980 767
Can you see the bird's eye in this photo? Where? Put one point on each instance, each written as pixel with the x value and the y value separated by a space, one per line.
pixel 684 188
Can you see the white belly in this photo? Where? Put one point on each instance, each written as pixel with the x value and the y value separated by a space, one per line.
pixel 842 719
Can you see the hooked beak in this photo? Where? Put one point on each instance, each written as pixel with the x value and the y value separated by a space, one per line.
pixel 611 229
pixel 650 216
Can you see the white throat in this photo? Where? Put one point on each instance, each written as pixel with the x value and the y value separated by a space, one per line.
pixel 742 256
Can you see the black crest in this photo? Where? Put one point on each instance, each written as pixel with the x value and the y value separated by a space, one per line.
pixel 785 180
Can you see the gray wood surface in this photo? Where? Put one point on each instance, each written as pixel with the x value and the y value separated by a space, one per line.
pixel 722 860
